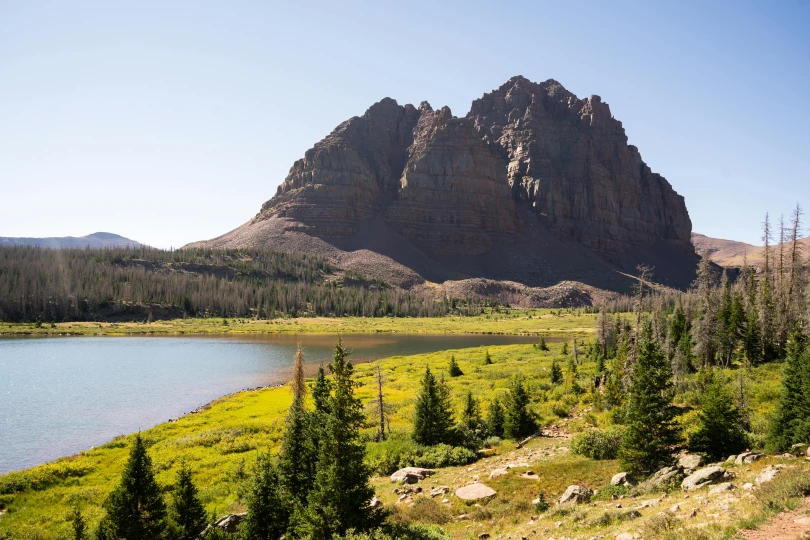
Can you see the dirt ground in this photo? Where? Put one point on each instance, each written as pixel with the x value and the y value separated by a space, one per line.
pixel 786 526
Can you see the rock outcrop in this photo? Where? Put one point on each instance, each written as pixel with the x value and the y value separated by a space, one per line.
pixel 533 185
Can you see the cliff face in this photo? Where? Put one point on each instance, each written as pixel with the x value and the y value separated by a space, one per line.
pixel 533 185
pixel 452 185
pixel 569 160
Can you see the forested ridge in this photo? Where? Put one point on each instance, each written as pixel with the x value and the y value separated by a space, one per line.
pixel 140 283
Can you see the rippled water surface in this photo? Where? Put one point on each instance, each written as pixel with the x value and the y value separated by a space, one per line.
pixel 61 395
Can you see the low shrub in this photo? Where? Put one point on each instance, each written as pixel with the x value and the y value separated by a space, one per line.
pixel 42 477
pixel 399 450
pixel 609 491
pixel 784 491
pixel 399 532
pixel 597 443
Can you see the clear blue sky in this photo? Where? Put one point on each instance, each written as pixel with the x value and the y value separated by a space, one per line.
pixel 170 122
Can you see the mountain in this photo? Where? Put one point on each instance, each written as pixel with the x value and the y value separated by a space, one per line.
pixel 95 240
pixel 730 253
pixel 533 185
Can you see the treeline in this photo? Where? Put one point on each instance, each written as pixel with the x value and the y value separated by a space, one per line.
pixel 141 283
pixel 760 317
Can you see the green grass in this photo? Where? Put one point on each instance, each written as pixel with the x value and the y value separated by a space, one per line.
pixel 506 321
pixel 220 443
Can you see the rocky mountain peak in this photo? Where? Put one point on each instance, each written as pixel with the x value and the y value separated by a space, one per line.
pixel 528 156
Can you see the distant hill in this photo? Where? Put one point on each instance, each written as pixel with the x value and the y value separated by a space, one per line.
pixel 95 240
pixel 730 253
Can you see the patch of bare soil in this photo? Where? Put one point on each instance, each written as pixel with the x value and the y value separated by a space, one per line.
pixel 786 526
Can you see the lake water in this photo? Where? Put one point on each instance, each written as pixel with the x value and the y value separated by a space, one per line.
pixel 61 395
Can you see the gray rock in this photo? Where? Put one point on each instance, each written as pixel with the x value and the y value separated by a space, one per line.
pixel 622 479
pixel 704 477
pixel 747 457
pixel 767 474
pixel 722 488
pixel 664 477
pixel 227 523
pixel 375 502
pixel 411 475
pixel 576 494
pixel 690 461
pixel 474 492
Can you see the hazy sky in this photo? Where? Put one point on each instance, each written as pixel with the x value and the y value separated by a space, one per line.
pixel 172 121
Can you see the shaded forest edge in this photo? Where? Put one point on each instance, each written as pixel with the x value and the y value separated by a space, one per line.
pixel 146 284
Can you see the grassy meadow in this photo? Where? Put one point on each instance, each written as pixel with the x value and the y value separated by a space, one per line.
pixel 221 443
pixel 502 321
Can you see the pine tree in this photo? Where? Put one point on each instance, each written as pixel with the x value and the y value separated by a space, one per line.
pixel 268 514
pixel 792 415
pixel 518 421
pixel 473 427
pixel 649 414
pixel 341 493
pixel 78 523
pixel 541 344
pixel 296 460
pixel 495 418
pixel 487 359
pixel 433 418
pixel 556 373
pixel 188 512
pixel 719 433
pixel 705 331
pixel 320 391
pixel 454 370
pixel 135 509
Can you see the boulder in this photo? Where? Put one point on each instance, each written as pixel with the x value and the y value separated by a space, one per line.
pixel 375 503
pixel 411 475
pixel 474 492
pixel 497 473
pixel 438 491
pixel 747 457
pixel 690 462
pixel 767 474
pixel 227 523
pixel 530 475
pixel 576 494
pixel 622 479
pixel 664 477
pixel 704 477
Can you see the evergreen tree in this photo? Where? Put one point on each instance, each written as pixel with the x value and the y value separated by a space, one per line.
pixel 792 416
pixel 649 414
pixel 433 418
pixel 454 370
pixel 135 509
pixel 188 513
pixel 487 359
pixel 296 460
pixel 473 427
pixel 518 421
pixel 705 331
pixel 320 391
pixel 719 433
pixel 78 524
pixel 341 492
pixel 541 344
pixel 556 373
pixel 495 418
pixel 565 348
pixel 268 514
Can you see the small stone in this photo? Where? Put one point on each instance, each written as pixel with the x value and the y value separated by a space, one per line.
pixel 675 508
pixel 748 486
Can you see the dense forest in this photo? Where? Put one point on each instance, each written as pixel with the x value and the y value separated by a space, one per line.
pixel 144 283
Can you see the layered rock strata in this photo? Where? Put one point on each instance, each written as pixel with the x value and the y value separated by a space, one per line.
pixel 452 185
